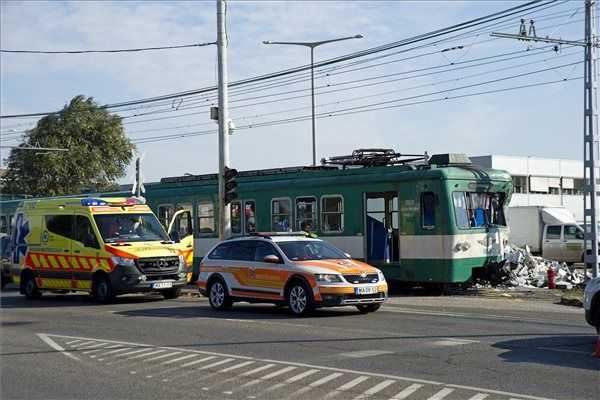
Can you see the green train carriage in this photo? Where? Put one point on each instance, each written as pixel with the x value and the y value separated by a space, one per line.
pixel 419 222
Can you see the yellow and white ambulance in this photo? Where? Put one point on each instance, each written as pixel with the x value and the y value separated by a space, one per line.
pixel 104 246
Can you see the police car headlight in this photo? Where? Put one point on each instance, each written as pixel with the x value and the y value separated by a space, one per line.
pixel 127 262
pixel 381 276
pixel 181 263
pixel 328 278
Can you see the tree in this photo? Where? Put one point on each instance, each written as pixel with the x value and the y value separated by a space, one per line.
pixel 98 153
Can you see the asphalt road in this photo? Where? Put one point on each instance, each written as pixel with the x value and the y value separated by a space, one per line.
pixel 450 348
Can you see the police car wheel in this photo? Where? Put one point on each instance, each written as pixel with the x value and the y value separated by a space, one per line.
pixel 31 289
pixel 217 295
pixel 299 299
pixel 368 308
pixel 103 292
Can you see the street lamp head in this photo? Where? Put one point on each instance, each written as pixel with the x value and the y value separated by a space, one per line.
pixel 267 42
pixel 359 36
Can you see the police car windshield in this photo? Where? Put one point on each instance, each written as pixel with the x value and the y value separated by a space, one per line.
pixel 130 228
pixel 310 250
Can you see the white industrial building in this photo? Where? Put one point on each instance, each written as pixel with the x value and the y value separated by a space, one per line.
pixel 541 181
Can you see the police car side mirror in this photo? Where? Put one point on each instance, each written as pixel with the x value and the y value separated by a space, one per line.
pixel 175 236
pixel 271 258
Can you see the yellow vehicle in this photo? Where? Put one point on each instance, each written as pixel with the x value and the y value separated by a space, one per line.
pixel 106 247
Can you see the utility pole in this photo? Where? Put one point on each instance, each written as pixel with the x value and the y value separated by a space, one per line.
pixel 591 138
pixel 223 113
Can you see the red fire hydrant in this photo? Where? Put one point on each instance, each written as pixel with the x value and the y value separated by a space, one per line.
pixel 551 278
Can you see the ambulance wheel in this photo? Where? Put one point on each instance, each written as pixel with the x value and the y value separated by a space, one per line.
pixel 368 308
pixel 299 298
pixel 218 297
pixel 102 290
pixel 30 288
pixel 171 293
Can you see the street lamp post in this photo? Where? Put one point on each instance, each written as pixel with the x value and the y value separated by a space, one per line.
pixel 312 46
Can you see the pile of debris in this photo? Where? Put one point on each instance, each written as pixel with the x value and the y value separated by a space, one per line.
pixel 522 269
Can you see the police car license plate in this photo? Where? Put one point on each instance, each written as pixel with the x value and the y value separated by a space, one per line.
pixel 162 285
pixel 365 290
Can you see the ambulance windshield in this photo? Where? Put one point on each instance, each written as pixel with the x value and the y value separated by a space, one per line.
pixel 130 228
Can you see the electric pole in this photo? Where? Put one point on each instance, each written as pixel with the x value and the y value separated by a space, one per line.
pixel 223 114
pixel 591 138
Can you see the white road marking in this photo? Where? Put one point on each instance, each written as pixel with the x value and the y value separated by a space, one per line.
pixel 352 383
pixel 180 359
pixel 56 346
pixel 73 341
pixel 259 369
pixel 116 351
pixel 301 376
pixel 145 354
pixel 91 347
pixel 215 364
pixel 84 343
pixel 346 386
pixel 407 392
pixel 228 392
pixel 188 364
pixel 441 394
pixel 114 346
pixel 134 352
pixel 479 396
pixel 237 366
pixel 306 365
pixel 449 342
pixel 268 376
pixel 375 389
pixel 365 353
pixel 163 356
pixel 316 383
pixel 293 379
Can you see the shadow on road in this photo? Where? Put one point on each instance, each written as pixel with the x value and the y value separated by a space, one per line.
pixel 49 300
pixel 238 312
pixel 566 351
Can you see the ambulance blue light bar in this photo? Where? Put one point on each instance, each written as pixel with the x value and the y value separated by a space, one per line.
pixel 93 202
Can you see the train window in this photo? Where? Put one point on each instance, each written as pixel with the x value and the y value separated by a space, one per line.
pixel 236 217
pixel 428 210
pixel 206 217
pixel 306 214
pixel 460 209
pixel 332 214
pixel 478 209
pixel 165 214
pixel 281 214
pixel 250 215
pixel 61 225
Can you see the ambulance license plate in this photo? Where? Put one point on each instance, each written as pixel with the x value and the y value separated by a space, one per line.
pixel 162 285
pixel 365 290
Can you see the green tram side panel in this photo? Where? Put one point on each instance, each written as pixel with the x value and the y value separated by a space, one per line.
pixel 352 184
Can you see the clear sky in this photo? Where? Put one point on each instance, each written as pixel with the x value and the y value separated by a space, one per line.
pixel 544 121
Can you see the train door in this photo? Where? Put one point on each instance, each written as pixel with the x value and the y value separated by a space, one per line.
pixel 381 226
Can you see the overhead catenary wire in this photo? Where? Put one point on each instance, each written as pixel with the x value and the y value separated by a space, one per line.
pixel 133 50
pixel 430 35
pixel 331 115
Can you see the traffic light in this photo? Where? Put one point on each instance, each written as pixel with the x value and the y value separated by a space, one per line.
pixel 230 185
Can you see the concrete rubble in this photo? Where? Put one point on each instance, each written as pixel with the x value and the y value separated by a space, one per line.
pixel 522 269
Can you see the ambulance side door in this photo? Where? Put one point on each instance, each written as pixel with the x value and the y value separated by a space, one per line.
pixel 181 231
pixel 86 251
pixel 55 260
